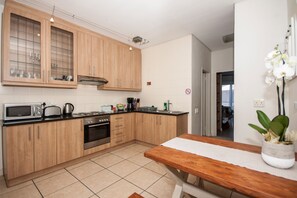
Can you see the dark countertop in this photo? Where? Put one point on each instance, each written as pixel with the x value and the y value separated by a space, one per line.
pixel 75 116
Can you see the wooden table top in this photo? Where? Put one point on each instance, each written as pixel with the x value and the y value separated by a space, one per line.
pixel 246 181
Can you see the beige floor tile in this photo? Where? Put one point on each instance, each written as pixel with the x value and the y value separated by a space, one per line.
pixel 139 159
pixel 164 188
pixel 25 192
pixel 77 165
pixel 143 178
pixel 5 189
pixel 217 190
pixel 109 160
pixel 49 175
pixel 140 148
pixel 126 153
pixel 120 189
pixel 100 180
pixel 147 195
pixel 55 183
pixel 86 170
pixel 94 196
pixel 124 168
pixel 100 156
pixel 74 190
pixel 155 167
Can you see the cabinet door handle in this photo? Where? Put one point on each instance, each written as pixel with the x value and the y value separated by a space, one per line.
pixel 119 141
pixel 30 134
pixel 119 118
pixel 118 125
pixel 38 132
pixel 119 133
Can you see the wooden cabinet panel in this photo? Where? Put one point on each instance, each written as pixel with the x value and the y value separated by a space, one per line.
pixel 90 55
pixel 129 127
pixel 19 151
pixel 138 126
pixel 165 128
pixel 69 140
pixel 84 56
pixel 136 69
pixel 97 56
pixel 148 128
pixel 111 64
pixel 44 145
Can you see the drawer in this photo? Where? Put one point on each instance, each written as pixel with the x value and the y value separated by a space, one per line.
pixel 117 118
pixel 118 140
pixel 117 125
pixel 116 133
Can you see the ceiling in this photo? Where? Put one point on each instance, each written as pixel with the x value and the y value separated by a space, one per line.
pixel 155 20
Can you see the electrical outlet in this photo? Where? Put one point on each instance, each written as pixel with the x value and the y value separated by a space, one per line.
pixel 196 110
pixel 259 103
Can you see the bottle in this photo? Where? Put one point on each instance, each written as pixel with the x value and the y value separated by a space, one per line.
pixel 165 106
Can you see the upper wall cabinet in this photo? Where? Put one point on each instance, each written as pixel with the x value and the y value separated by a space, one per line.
pixel 122 67
pixel 36 52
pixel 90 54
pixel 61 53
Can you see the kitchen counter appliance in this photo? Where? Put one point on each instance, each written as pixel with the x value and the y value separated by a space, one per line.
pixel 68 109
pixel 22 111
pixel 96 131
pixel 51 111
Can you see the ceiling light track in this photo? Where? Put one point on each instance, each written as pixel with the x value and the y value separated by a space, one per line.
pixel 63 13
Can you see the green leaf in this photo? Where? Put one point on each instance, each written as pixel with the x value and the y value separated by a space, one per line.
pixel 277 128
pixel 284 120
pixel 259 129
pixel 263 119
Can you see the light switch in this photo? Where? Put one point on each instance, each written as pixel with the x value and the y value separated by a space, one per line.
pixel 196 110
pixel 259 103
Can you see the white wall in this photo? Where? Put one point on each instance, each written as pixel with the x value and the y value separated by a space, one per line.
pixel 200 60
pixel 259 26
pixel 221 61
pixel 292 8
pixel 168 67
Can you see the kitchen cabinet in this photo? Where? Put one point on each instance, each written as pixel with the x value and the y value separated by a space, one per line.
pixel 44 145
pixel 69 140
pixel 157 129
pixel 35 51
pixel 122 66
pixel 90 54
pixel 29 148
pixel 18 151
pixel 121 128
pixel 145 127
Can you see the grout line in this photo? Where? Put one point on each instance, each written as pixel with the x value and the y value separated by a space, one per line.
pixel 149 193
pixel 48 174
pixel 37 188
pixel 82 182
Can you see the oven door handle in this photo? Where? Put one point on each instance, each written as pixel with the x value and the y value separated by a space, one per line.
pixel 95 125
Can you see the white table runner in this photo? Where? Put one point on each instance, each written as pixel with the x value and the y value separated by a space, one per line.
pixel 233 156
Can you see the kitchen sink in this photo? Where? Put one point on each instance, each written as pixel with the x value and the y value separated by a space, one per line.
pixel 169 112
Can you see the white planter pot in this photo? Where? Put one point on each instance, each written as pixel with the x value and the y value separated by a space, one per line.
pixel 278 155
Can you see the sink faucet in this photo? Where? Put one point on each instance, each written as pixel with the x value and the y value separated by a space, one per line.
pixel 168 105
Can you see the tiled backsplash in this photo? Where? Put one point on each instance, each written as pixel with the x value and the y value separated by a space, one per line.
pixel 84 98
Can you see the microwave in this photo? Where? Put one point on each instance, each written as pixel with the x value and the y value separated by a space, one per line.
pixel 22 111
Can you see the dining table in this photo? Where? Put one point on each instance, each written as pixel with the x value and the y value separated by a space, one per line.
pixel 235 166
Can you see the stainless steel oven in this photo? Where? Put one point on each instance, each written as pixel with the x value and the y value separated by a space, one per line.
pixel 96 131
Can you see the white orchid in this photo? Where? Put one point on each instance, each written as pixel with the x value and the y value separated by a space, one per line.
pixel 279 66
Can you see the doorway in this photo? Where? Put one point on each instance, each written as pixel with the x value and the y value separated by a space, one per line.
pixel 225 105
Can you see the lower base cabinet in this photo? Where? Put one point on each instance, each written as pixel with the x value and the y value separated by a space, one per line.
pixel 34 147
pixel 157 129
pixel 70 140
pixel 29 148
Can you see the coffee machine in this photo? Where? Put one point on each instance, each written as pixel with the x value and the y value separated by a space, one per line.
pixel 130 104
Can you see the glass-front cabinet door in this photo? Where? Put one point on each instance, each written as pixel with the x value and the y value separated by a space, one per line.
pixel 23 47
pixel 62 53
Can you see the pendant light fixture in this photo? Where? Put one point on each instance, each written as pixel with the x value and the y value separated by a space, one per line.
pixel 52 20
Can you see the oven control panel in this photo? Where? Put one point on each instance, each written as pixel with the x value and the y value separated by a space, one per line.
pixel 96 119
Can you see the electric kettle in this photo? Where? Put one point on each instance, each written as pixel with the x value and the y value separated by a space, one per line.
pixel 68 109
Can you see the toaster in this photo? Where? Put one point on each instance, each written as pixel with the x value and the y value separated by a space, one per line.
pixel 51 111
